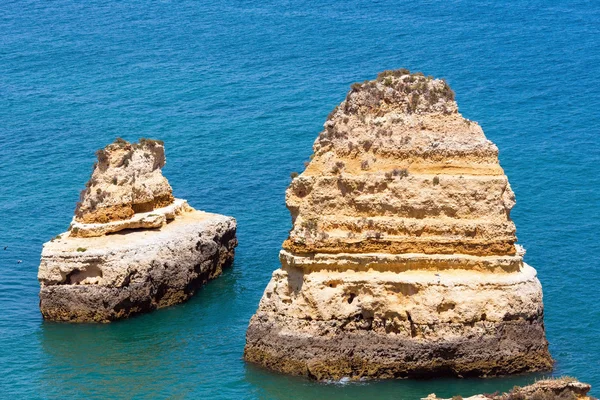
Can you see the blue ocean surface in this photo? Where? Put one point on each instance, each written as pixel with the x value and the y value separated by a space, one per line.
pixel 238 91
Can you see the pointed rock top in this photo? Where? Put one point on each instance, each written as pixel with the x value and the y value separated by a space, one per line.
pixel 399 91
pixel 398 170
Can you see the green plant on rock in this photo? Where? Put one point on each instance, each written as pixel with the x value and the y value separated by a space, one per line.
pixel 337 167
pixel 323 236
pixel 121 142
pixel 151 142
pixel 413 103
pixel 126 159
pixel 374 235
pixel 401 172
pixel 310 225
pixel 367 144
pixel 101 155
pixel 515 394
pixel 392 73
pixel 332 113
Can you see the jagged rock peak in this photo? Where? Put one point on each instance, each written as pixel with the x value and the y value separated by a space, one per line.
pixel 407 117
pixel 398 91
pixel 126 179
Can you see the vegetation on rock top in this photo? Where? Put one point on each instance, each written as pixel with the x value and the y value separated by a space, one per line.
pixel 401 90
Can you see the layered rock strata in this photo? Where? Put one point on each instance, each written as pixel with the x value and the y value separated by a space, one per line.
pixel 132 247
pixel 549 389
pixel 127 179
pixel 402 258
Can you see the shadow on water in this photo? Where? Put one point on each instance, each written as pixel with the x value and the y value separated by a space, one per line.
pixel 152 354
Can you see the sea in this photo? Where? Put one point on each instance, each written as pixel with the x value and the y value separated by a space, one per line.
pixel 238 91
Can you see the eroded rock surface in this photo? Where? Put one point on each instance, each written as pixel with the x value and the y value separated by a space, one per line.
pixel 549 389
pixel 127 179
pixel 402 258
pixel 109 266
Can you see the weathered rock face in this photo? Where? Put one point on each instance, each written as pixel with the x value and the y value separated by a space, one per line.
pixel 104 271
pixel 402 258
pixel 127 179
pixel 549 389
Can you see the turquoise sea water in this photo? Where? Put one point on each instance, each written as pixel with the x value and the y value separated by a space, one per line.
pixel 238 91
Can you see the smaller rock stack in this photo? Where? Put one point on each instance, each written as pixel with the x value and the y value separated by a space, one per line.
pixel 131 247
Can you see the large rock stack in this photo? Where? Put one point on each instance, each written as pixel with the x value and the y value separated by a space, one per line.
pixel 402 258
pixel 131 247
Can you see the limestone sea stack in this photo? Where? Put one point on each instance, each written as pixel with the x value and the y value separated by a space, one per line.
pixel 402 259
pixel 131 247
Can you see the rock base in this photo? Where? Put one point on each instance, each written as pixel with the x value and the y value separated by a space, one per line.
pixel 331 325
pixel 503 350
pixel 102 279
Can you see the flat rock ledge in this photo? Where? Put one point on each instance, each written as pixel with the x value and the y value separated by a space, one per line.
pixel 110 277
pixel 151 219
pixel 565 388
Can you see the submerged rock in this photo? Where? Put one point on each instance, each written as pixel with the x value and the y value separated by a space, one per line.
pixel 132 247
pixel 549 389
pixel 402 258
